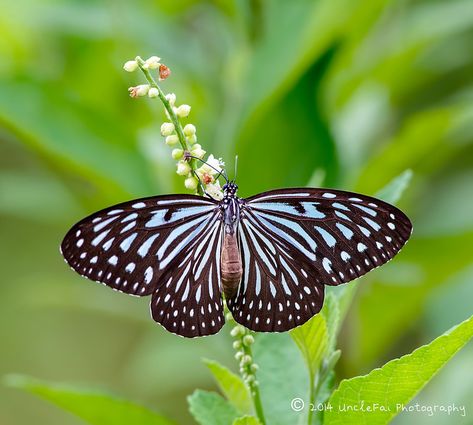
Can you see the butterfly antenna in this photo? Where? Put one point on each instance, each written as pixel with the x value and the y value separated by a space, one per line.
pixel 236 168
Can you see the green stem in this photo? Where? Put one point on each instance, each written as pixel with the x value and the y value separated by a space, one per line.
pixel 172 115
pixel 254 391
pixel 312 392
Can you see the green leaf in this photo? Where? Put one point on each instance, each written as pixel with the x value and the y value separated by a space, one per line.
pixel 209 408
pixel 93 406
pixel 311 338
pixel 231 385
pixel 393 191
pixel 282 377
pixel 247 420
pixel 331 314
pixel 397 382
pixel 82 140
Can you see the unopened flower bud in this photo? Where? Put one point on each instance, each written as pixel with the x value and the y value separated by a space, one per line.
pixel 167 128
pixel 152 63
pixel 191 183
pixel 248 340
pixel 228 316
pixel 130 66
pixel 197 151
pixel 245 360
pixel 177 153
pixel 183 111
pixel 171 98
pixel 237 345
pixel 153 92
pixel 239 355
pixel 237 330
pixel 164 72
pixel 254 367
pixel 183 168
pixel 138 91
pixel 189 130
pixel 192 139
pixel 249 379
pixel 172 140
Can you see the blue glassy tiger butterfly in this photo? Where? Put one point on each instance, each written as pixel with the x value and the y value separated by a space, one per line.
pixel 270 254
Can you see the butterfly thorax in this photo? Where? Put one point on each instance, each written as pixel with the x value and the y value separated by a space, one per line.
pixel 231 266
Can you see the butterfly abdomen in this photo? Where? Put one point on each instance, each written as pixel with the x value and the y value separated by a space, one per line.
pixel 231 267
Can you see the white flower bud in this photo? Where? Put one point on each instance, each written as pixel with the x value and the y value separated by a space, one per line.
pixel 183 168
pixel 171 98
pixel 189 130
pixel 249 379
pixel 245 360
pixel 237 345
pixel 191 183
pixel 228 316
pixel 239 355
pixel 248 340
pixel 152 63
pixel 130 66
pixel 167 128
pixel 153 92
pixel 183 111
pixel 197 151
pixel 177 153
pixel 192 139
pixel 254 367
pixel 172 140
pixel 237 330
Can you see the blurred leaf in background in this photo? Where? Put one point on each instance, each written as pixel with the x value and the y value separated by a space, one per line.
pixel 352 92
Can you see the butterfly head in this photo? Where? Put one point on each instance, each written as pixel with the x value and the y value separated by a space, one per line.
pixel 230 189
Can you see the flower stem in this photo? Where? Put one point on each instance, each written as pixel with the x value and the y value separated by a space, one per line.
pixel 255 394
pixel 172 115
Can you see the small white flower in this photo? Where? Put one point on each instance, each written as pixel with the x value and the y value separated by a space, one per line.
pixel 171 98
pixel 189 130
pixel 183 111
pixel 172 140
pixel 214 165
pixel 183 168
pixel 167 128
pixel 153 92
pixel 177 153
pixel 214 190
pixel 191 183
pixel 152 62
pixel 138 91
pixel 197 151
pixel 130 66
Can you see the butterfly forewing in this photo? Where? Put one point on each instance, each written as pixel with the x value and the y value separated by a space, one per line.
pixel 316 237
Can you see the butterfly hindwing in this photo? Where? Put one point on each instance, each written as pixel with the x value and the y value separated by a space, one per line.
pixel 276 292
pixel 188 300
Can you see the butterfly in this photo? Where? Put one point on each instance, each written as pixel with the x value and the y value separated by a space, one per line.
pixel 270 255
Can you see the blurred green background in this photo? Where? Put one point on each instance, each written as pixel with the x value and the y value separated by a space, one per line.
pixel 339 93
